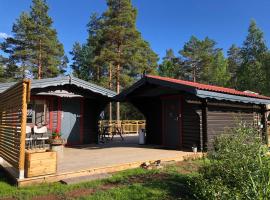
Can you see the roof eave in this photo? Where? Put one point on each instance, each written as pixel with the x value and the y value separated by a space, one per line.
pixel 123 95
pixel 235 98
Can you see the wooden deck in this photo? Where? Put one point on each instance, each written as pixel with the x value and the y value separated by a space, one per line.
pixel 106 158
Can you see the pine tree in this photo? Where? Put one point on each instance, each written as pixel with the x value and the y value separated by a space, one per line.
pixel 18 47
pixel 266 66
pixel 219 73
pixel 251 75
pixel 116 53
pixel 95 41
pixel 8 70
pixel 35 45
pixel 234 62
pixel 122 45
pixel 167 68
pixel 198 56
pixel 2 69
pixel 81 61
pixel 172 66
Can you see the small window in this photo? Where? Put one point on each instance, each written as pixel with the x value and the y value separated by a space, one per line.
pixel 30 113
pixel 37 112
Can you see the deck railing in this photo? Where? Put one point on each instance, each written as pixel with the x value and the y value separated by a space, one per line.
pixel 128 126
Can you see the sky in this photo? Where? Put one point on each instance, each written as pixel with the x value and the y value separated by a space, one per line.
pixel 163 23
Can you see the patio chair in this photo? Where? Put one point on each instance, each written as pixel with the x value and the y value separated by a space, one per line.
pixel 104 133
pixel 29 137
pixel 41 135
pixel 118 130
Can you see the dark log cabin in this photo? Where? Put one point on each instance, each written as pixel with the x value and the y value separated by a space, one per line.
pixel 182 114
pixel 67 104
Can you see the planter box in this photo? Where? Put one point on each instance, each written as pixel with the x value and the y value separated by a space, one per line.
pixel 40 163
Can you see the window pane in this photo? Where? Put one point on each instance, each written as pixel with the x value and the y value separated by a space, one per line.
pixel 30 113
pixel 40 115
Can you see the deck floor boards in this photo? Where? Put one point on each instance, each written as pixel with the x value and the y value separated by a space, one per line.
pixel 112 153
pixel 116 155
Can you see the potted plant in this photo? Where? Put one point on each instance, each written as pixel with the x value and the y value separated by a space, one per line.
pixel 56 139
pixel 56 134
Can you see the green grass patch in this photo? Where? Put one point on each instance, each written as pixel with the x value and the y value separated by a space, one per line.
pixel 167 183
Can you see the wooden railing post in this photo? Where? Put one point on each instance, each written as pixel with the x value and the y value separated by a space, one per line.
pixel 23 131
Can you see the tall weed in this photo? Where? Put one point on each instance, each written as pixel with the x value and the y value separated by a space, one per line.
pixel 237 168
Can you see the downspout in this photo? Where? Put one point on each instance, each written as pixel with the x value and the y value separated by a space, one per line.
pixel 204 125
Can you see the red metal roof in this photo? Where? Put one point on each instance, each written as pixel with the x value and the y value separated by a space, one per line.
pixel 212 88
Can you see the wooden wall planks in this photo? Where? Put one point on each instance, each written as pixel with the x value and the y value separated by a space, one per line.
pixel 13 112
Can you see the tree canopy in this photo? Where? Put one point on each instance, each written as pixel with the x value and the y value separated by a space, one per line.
pixel 113 40
pixel 34 45
pixel 245 68
pixel 251 74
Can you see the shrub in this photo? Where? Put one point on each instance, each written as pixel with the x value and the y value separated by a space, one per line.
pixel 238 167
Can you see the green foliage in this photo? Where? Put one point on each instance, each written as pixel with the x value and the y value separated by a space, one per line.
pixel 234 62
pixel 113 39
pixel 218 72
pixel 34 43
pixel 80 65
pixel 172 66
pixel 199 56
pixel 251 74
pixel 245 68
pixel 8 70
pixel 114 46
pixel 238 167
pixel 167 183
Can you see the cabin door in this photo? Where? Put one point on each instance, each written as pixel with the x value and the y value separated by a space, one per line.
pixel 172 122
pixel 70 126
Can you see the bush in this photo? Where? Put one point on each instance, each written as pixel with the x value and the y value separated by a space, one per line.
pixel 238 167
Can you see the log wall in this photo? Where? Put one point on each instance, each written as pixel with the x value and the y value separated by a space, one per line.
pixel 220 118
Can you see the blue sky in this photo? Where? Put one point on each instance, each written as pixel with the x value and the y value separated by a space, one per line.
pixel 163 23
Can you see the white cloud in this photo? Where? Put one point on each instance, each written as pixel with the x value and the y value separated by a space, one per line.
pixel 4 35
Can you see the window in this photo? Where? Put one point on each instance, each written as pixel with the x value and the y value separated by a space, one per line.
pixel 30 113
pixel 37 112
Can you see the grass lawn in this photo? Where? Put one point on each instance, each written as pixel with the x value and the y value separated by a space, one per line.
pixel 169 182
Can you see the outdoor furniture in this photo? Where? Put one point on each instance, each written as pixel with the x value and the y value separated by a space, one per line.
pixel 41 135
pixel 115 129
pixel 105 132
pixel 118 130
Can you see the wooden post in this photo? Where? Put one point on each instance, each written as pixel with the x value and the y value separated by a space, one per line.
pixel 204 125
pixel 264 122
pixel 118 91
pixel 110 104
pixel 39 62
pixel 23 131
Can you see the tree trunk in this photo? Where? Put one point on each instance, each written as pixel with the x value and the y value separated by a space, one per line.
pixel 110 86
pixel 194 74
pixel 118 91
pixel 98 73
pixel 39 61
